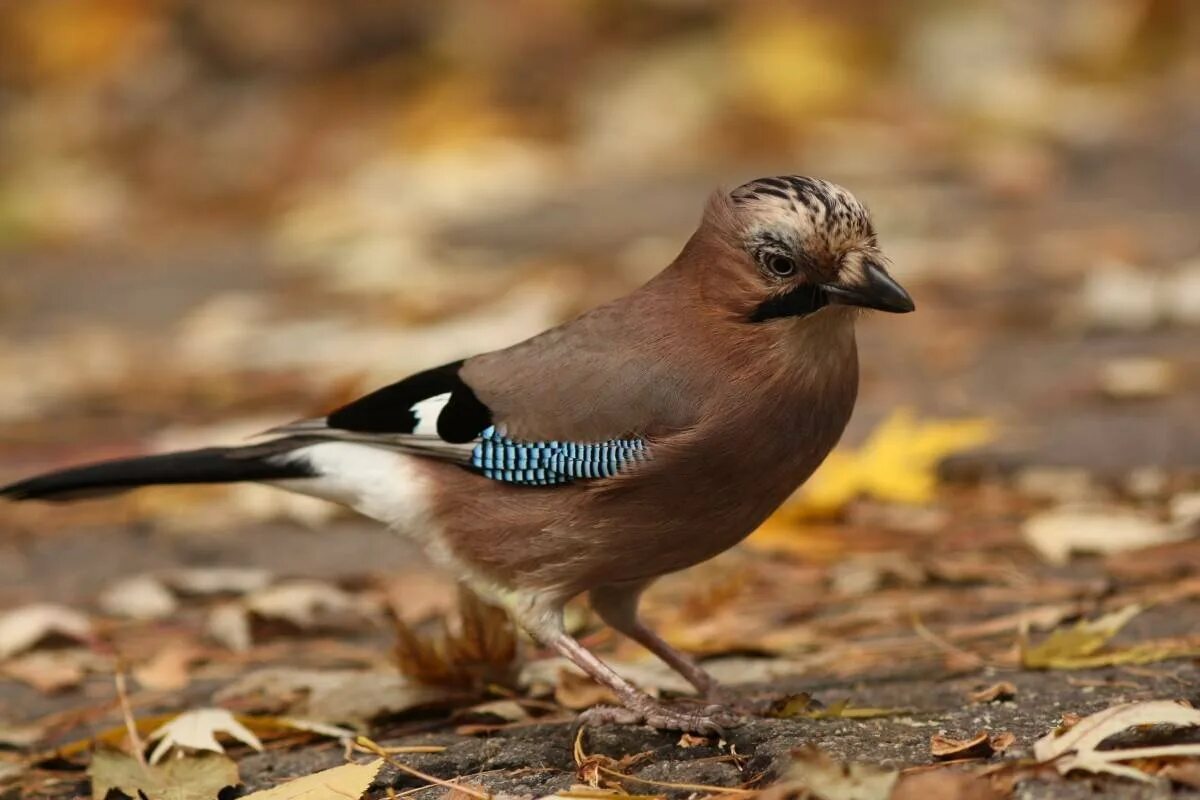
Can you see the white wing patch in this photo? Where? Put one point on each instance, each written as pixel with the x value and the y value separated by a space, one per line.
pixel 427 412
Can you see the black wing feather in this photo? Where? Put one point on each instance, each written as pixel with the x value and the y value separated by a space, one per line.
pixel 390 409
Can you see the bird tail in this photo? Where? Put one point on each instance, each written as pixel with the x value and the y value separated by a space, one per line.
pixel 261 462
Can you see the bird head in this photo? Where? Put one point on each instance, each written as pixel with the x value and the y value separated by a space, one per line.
pixel 801 244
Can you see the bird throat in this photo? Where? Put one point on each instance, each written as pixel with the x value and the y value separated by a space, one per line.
pixel 797 302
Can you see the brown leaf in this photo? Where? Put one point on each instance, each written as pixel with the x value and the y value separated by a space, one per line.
pixel 944 784
pixel 945 748
pixel 1185 773
pixel 1002 690
pixel 577 692
pixel 1003 740
pixel 481 649
pixel 50 671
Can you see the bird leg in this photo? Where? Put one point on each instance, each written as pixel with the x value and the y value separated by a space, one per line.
pixel 617 605
pixel 546 625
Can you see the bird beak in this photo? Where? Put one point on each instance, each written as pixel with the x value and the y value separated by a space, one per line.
pixel 874 288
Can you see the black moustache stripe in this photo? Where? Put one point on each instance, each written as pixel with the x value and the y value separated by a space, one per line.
pixel 797 302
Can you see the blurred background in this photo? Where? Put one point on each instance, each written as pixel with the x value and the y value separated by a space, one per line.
pixel 216 215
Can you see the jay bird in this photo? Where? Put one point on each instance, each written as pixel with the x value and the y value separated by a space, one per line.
pixel 643 437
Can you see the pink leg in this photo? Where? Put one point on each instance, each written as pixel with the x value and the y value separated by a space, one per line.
pixel 545 625
pixel 617 606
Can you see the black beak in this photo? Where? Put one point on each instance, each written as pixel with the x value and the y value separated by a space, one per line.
pixel 877 290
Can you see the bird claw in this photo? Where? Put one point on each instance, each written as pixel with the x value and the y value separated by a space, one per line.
pixel 711 720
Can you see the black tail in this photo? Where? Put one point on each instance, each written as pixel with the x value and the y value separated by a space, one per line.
pixel 209 465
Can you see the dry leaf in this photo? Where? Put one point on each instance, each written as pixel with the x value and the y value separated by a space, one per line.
pixel 170 668
pixel 51 671
pixel 347 782
pixel 1083 646
pixel 802 706
pixel 577 692
pixel 24 628
pixel 142 597
pixel 351 697
pixel 205 581
pixel 476 650
pixel 979 746
pixel 21 735
pixel 826 779
pixel 896 464
pixel 197 730
pixel 1076 748
pixel 1002 741
pixel 944 784
pixel 1185 773
pixel 1056 534
pixel 304 604
pixel 198 777
pixel 997 692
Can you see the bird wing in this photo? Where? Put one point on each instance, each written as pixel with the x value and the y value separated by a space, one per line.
pixel 581 401
pixel 438 414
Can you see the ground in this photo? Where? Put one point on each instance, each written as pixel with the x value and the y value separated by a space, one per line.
pixel 1016 500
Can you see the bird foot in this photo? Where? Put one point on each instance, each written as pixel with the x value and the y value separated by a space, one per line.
pixel 701 720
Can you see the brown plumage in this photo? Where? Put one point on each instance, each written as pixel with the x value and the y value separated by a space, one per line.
pixel 718 387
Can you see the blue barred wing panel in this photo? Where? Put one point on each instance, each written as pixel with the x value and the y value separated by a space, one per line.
pixel 553 463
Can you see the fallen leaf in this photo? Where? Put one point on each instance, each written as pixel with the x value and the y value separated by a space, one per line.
pixel 205 581
pixel 944 784
pixel 51 671
pixel 577 692
pixel 1137 378
pixel 25 628
pixel 142 597
pixel 997 692
pixel 305 604
pixel 897 463
pixel 21 735
pixel 170 668
pixel 1055 535
pixel 1003 740
pixel 299 605
pixel 351 697
pixel 1185 773
pixel 347 782
pixel 945 748
pixel 475 650
pixel 1077 747
pixel 824 778
pixel 197 730
pixel 1083 646
pixel 803 706
pixel 199 777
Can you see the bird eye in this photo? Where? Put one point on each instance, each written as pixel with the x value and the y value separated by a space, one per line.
pixel 781 265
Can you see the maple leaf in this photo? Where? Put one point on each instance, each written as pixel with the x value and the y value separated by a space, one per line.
pixel 897 463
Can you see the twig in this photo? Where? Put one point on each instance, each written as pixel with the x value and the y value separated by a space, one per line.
pixel 372 747
pixel 135 739
pixel 580 757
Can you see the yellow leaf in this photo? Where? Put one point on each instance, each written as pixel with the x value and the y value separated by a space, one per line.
pixel 1083 646
pixel 199 777
pixel 347 782
pixel 897 464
